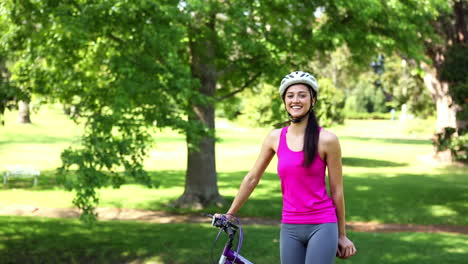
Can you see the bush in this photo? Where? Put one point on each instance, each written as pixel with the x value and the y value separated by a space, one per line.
pixel 459 148
pixel 365 98
pixel 457 144
pixel 330 104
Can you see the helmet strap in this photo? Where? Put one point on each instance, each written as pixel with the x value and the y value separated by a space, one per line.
pixel 299 119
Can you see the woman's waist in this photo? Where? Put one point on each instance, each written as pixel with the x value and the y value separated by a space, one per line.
pixel 307 205
pixel 317 216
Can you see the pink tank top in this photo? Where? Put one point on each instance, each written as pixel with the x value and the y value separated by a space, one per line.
pixel 305 198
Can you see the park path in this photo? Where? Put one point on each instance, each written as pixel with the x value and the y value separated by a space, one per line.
pixel 109 214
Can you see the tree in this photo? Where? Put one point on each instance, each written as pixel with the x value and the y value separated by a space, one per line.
pixel 10 95
pixel 446 75
pixel 128 65
pixel 6 92
pixel 24 116
pixel 447 81
pixel 121 64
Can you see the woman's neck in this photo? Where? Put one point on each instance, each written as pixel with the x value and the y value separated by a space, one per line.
pixel 298 128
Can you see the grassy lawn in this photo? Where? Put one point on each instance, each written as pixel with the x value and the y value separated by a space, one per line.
pixel 387 178
pixel 37 240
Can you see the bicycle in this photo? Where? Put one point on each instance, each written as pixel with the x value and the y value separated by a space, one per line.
pixel 230 256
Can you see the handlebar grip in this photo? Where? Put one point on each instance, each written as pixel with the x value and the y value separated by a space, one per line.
pixel 217 222
pixel 220 222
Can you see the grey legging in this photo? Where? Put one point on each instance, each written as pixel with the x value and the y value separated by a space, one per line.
pixel 308 244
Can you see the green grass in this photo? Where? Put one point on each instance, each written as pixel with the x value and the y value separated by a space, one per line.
pixel 387 178
pixel 40 240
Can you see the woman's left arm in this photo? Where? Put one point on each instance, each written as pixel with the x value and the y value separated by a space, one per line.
pixel 346 247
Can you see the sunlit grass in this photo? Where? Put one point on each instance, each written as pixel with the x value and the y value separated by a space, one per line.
pixel 387 175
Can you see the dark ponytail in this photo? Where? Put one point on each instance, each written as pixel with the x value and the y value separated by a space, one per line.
pixel 311 135
pixel 311 138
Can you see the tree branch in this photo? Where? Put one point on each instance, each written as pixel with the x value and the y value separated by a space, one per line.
pixel 116 39
pixel 247 84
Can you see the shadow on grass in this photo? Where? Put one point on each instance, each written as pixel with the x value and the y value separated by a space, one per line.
pixel 370 163
pixel 27 240
pixel 396 198
pixel 48 180
pixel 407 198
pixel 384 197
pixel 407 248
pixel 265 201
pixel 36 240
pixel 387 197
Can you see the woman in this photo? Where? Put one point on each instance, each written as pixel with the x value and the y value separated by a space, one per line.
pixel 313 224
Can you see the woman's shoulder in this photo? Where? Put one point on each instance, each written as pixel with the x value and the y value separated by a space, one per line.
pixel 273 137
pixel 274 134
pixel 327 137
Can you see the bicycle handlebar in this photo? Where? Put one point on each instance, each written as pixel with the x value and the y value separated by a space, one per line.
pixel 222 222
pixel 229 228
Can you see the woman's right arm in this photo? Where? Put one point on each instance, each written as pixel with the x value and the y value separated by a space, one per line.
pixel 253 177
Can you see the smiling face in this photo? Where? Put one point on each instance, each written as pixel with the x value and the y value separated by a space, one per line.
pixel 298 100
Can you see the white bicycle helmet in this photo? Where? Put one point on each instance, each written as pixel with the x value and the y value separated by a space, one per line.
pixel 298 77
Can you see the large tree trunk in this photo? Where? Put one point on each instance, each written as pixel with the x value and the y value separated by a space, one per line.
pixel 24 116
pixel 445 108
pixel 4 96
pixel 201 187
pixel 453 31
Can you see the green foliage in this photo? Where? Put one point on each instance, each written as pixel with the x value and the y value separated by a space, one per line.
pixel 459 147
pixel 330 104
pixel 402 79
pixel 457 143
pixel 455 64
pixel 230 108
pixel 443 140
pixel 401 82
pixel 389 26
pixel 101 154
pixel 365 97
pixel 9 95
pixel 105 60
pixel 262 106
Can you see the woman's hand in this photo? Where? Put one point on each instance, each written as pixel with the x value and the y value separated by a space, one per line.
pixel 227 215
pixel 346 248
